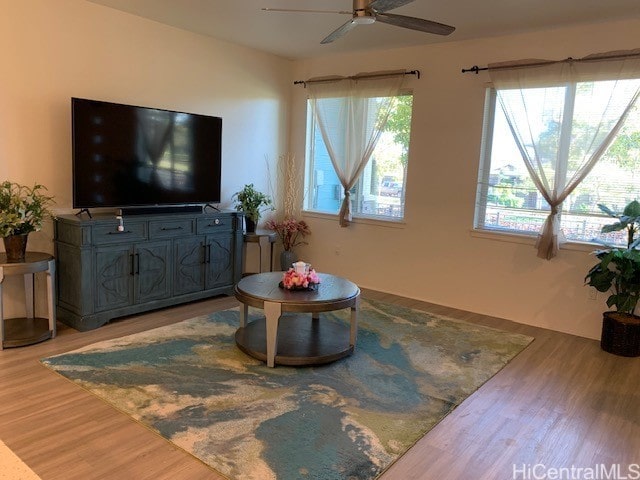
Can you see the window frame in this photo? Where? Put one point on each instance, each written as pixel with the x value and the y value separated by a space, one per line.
pixel 479 228
pixel 357 190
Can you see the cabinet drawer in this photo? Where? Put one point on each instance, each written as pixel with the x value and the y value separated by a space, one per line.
pixel 215 224
pixel 109 234
pixel 170 228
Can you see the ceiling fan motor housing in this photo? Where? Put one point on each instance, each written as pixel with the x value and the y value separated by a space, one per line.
pixel 360 6
pixel 362 14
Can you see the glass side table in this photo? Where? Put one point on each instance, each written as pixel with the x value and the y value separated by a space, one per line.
pixel 17 332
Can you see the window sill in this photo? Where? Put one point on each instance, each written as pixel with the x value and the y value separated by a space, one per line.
pixel 357 220
pixel 531 240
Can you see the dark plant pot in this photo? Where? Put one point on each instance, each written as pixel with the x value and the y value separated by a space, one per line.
pixel 15 246
pixel 620 334
pixel 287 257
pixel 250 225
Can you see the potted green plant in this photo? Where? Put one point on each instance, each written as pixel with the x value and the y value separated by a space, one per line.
pixel 22 211
pixel 252 203
pixel 618 272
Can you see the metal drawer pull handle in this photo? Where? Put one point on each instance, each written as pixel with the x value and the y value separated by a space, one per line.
pixel 166 229
pixel 206 253
pixel 216 223
pixel 119 233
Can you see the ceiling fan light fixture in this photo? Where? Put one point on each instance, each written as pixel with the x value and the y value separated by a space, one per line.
pixel 363 20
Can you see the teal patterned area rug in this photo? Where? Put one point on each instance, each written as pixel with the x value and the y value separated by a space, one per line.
pixel 347 420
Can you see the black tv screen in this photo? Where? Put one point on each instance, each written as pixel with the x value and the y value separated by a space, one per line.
pixel 127 156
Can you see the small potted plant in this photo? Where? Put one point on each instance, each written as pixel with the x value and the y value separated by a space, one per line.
pixel 252 203
pixel 22 211
pixel 618 272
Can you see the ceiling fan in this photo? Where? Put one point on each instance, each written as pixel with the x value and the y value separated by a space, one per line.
pixel 369 11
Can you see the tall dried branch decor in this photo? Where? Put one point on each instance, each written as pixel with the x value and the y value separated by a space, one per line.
pixel 289 191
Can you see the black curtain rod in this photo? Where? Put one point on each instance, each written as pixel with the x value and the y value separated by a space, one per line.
pixel 356 77
pixel 475 69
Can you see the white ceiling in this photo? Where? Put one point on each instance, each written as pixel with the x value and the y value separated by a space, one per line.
pixel 298 35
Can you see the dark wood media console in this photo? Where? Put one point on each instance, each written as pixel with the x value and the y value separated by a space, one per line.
pixel 153 261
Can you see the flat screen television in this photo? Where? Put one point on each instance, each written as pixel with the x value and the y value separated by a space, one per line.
pixel 129 156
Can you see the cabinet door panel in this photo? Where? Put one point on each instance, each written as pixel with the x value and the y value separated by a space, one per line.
pixel 114 280
pixel 189 265
pixel 219 261
pixel 152 271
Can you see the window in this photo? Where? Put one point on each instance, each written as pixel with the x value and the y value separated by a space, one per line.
pixel 380 190
pixel 508 200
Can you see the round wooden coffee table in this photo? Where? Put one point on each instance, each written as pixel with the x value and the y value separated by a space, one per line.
pixel 296 338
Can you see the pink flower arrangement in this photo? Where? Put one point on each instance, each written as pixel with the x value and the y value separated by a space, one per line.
pixel 298 281
pixel 290 231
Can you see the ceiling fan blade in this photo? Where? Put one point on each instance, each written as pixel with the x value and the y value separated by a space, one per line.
pixel 287 10
pixel 339 32
pixel 415 23
pixel 382 6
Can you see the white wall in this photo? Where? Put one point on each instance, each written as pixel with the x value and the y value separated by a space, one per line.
pixel 433 257
pixel 51 51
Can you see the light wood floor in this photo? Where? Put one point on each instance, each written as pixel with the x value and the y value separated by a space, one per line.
pixel 561 402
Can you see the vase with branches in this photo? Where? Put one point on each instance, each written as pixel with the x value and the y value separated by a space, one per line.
pixel 292 233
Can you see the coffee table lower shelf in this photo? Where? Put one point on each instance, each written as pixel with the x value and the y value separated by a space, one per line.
pixel 302 340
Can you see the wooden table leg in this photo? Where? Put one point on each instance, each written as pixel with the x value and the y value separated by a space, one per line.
pixel 271 257
pixel 28 293
pixel 51 296
pixel 260 254
pixel 353 334
pixel 244 313
pixel 1 312
pixel 272 312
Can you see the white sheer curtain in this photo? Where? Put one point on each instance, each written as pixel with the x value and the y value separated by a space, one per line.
pixel 544 104
pixel 351 113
